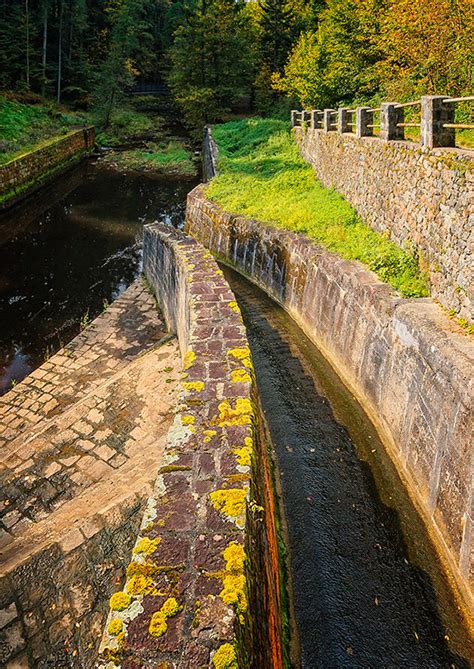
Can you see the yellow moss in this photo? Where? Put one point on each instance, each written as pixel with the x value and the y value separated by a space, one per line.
pixel 229 502
pixel 115 627
pixel 187 420
pixel 198 386
pixel 240 376
pixel 140 584
pixel 189 359
pixel 158 625
pixel 120 601
pixel 208 434
pixel 240 353
pixel 147 546
pixel 191 266
pixel 240 414
pixel 234 306
pixel 225 657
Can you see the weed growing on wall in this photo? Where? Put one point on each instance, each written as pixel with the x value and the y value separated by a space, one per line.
pixel 262 175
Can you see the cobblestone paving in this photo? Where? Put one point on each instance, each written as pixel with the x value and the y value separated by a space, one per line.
pixel 85 432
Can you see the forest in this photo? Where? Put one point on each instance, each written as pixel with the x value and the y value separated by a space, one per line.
pixel 215 55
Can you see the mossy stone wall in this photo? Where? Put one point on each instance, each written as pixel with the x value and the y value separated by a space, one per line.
pixel 403 359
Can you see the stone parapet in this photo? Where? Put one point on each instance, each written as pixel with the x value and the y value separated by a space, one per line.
pixel 202 586
pixel 409 366
pixel 24 174
pixel 422 198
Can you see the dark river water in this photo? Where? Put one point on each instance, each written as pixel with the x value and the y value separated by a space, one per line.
pixel 368 589
pixel 69 250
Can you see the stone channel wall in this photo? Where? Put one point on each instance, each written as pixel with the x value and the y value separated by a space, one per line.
pixel 30 170
pixel 402 358
pixel 423 198
pixel 209 154
pixel 203 583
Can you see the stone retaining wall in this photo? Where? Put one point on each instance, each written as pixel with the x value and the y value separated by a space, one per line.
pixel 405 361
pixel 203 583
pixel 209 154
pixel 424 199
pixel 23 174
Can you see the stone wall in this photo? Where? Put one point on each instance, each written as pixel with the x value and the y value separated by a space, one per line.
pixel 21 175
pixel 424 199
pixel 202 587
pixel 404 360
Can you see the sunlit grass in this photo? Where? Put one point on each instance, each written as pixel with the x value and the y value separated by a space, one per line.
pixel 262 175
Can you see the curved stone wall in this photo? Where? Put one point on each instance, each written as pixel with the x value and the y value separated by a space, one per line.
pixel 202 587
pixel 403 359
pixel 34 168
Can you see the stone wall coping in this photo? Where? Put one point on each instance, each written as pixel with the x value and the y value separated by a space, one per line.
pixel 186 598
pixel 58 139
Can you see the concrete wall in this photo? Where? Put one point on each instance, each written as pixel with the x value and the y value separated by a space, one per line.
pixel 23 174
pixel 424 199
pixel 401 358
pixel 203 584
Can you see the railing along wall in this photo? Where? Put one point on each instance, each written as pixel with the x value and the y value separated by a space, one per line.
pixel 437 123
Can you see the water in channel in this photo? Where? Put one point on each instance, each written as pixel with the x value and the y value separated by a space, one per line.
pixel 368 589
pixel 70 249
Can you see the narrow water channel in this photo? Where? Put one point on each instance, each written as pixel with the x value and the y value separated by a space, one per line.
pixel 368 589
pixel 69 250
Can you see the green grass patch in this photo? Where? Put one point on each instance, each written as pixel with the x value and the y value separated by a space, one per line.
pixel 167 158
pixel 262 175
pixel 128 126
pixel 24 126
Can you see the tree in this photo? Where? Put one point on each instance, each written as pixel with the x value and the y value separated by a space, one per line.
pixel 210 59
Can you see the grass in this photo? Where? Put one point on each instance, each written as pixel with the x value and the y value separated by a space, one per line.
pixel 262 175
pixel 166 158
pixel 127 126
pixel 24 126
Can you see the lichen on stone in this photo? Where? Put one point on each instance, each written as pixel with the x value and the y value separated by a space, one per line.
pixel 240 376
pixel 198 386
pixel 208 434
pixel 240 352
pixel 239 414
pixel 225 657
pixel 146 545
pixel 233 579
pixel 120 601
pixel 140 584
pixel 244 454
pixel 231 502
pixel 187 420
pixel 158 625
pixel 115 627
pixel 189 359
pixel 234 306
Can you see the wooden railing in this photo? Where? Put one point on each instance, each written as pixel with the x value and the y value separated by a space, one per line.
pixel 436 120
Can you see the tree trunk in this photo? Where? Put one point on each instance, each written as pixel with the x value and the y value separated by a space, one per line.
pixel 45 47
pixel 27 13
pixel 60 52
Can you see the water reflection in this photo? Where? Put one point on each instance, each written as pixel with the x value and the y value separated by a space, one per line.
pixel 70 249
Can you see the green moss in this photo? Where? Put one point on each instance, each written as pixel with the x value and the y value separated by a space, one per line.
pixel 262 175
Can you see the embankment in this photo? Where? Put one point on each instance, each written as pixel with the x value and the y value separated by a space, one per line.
pixel 403 359
pixel 23 175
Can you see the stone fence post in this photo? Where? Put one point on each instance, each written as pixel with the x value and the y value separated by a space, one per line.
pixel 294 113
pixel 364 118
pixel 434 113
pixel 344 119
pixel 390 115
pixel 327 119
pixel 316 119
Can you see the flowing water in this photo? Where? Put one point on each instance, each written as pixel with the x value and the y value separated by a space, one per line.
pixel 70 249
pixel 368 589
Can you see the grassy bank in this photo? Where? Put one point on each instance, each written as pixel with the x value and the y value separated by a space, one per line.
pixel 170 158
pixel 262 175
pixel 23 126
